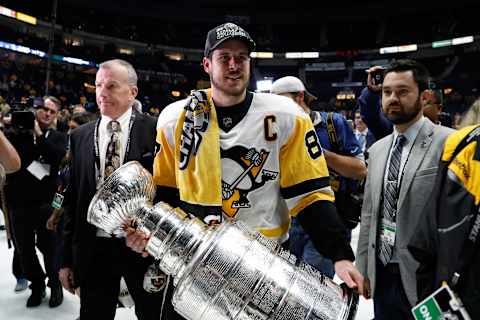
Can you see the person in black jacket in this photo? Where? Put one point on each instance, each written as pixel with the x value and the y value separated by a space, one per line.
pixel 29 193
pixel 92 260
pixel 445 241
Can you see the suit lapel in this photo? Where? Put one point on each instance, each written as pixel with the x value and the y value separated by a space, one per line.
pixel 417 153
pixel 379 166
pixel 134 133
pixel 91 161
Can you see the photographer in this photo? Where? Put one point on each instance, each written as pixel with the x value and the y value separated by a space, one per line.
pixel 445 241
pixel 346 165
pixel 29 193
pixel 370 105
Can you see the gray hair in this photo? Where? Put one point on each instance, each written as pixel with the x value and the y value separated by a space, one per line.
pixel 55 101
pixel 472 117
pixel 132 75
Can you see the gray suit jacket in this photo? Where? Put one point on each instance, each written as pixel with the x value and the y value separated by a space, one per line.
pixel 416 185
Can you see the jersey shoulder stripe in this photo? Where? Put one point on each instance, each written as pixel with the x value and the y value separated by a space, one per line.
pixel 305 187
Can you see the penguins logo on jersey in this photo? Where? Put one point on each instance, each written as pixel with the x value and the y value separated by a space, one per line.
pixel 197 116
pixel 245 174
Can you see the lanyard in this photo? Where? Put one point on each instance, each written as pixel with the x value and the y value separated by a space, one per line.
pixel 399 186
pixel 97 144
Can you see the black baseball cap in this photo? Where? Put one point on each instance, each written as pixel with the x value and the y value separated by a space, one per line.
pixel 224 32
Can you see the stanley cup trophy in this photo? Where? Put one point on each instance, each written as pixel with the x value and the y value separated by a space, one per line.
pixel 223 272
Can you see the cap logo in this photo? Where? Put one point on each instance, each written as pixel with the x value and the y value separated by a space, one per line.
pixel 229 30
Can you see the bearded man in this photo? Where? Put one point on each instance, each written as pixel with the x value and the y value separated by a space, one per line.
pixel 397 187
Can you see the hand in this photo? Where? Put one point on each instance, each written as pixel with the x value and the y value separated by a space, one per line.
pixel 36 129
pixel 136 240
pixel 66 278
pixel 372 86
pixel 350 275
pixel 7 120
pixel 52 222
pixel 367 290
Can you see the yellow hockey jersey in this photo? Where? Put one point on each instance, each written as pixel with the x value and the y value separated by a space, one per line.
pixel 272 163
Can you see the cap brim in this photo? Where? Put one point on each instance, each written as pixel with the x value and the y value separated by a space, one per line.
pixel 249 42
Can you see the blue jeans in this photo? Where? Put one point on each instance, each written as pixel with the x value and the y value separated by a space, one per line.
pixel 302 247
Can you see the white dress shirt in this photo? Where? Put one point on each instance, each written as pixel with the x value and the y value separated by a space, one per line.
pixel 363 141
pixel 103 141
pixel 410 134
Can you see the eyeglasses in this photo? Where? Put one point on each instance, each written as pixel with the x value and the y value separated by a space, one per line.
pixel 48 110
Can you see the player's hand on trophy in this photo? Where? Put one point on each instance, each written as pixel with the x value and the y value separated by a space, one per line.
pixel 350 275
pixel 136 240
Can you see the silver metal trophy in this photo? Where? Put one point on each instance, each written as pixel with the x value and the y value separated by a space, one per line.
pixel 226 272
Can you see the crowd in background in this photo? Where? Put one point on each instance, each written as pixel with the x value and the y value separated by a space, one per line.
pixel 40 128
pixel 22 85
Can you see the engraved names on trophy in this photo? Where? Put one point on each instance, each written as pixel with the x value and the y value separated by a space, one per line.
pixel 221 273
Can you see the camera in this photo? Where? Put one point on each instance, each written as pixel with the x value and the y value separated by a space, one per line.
pixel 21 117
pixel 377 77
pixel 445 119
pixel 23 120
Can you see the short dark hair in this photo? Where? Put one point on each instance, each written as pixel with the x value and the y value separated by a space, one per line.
pixel 419 71
pixel 83 117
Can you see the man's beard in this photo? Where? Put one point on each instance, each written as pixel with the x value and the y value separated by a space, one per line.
pixel 403 116
pixel 233 91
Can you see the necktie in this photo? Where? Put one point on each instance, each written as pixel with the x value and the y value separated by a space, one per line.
pixel 390 198
pixel 112 157
pixel 361 140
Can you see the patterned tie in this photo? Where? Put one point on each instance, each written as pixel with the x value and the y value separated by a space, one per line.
pixel 390 198
pixel 112 157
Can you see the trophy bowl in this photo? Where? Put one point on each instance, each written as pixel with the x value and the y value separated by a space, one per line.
pixel 226 271
pixel 121 195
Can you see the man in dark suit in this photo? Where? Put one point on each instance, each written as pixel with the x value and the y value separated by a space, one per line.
pixel 401 174
pixel 29 193
pixel 92 259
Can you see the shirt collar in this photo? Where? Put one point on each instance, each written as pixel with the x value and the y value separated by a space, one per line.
pixel 123 119
pixel 363 133
pixel 412 131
